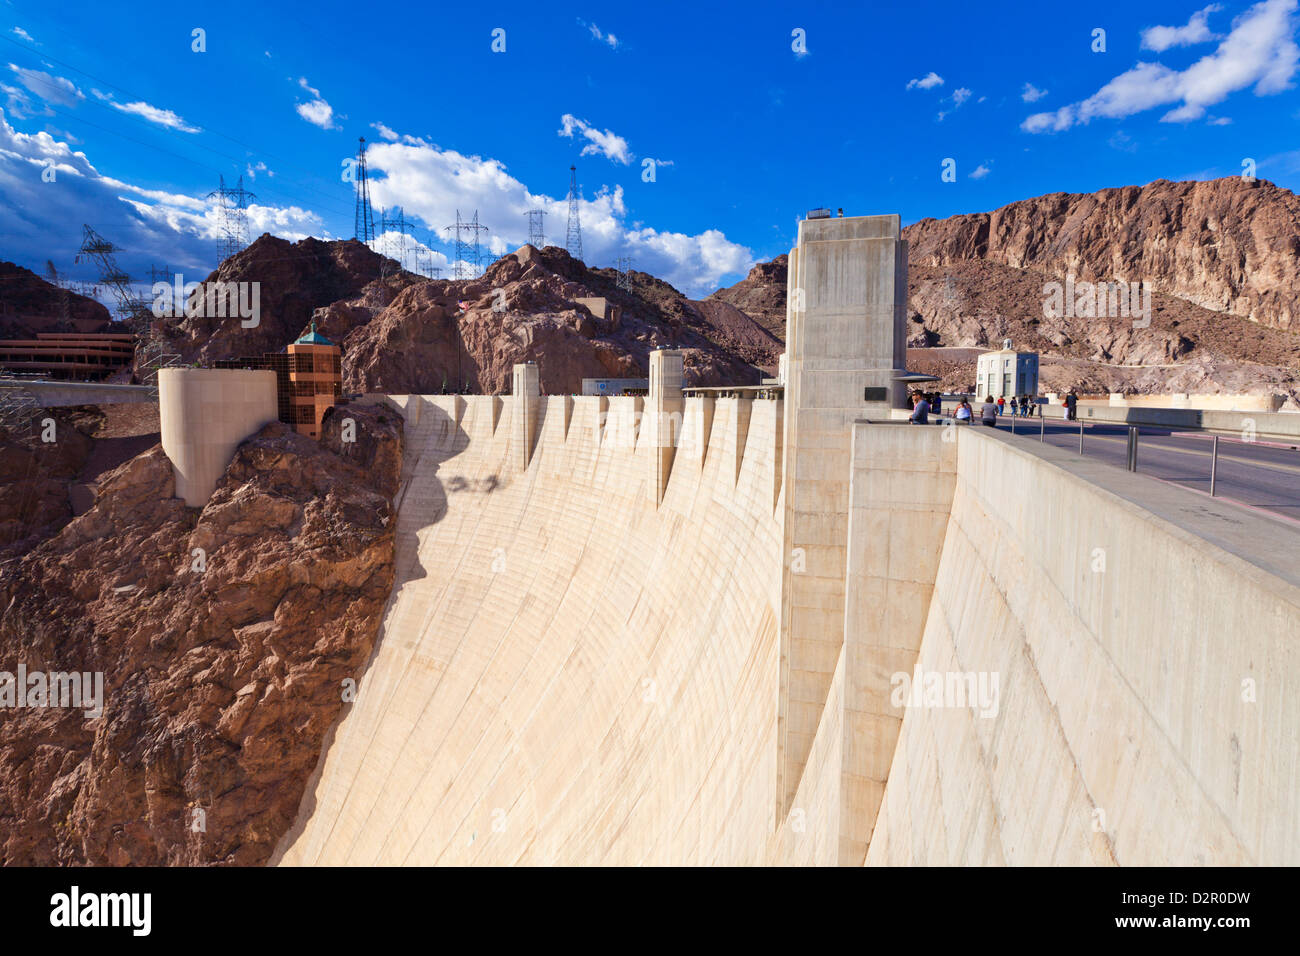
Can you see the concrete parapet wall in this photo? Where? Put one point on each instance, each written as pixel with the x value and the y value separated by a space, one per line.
pixel 1137 722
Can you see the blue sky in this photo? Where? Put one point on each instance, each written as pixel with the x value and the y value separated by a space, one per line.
pixel 746 131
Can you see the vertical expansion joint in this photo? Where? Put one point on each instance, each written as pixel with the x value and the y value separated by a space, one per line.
pixel 664 406
pixel 525 400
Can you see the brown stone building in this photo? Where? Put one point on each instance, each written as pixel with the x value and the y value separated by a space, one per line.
pixel 309 379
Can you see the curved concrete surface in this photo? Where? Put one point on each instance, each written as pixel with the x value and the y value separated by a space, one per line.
pixel 1146 712
pixel 203 415
pixel 567 673
pixel 570 673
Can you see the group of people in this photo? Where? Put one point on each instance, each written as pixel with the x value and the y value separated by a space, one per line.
pixel 1019 406
pixel 925 404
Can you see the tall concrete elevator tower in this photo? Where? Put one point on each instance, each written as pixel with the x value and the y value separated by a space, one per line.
pixel 846 350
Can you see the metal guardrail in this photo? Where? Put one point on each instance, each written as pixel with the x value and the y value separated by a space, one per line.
pixel 1133 441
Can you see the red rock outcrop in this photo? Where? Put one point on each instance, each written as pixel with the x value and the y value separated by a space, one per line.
pixel 36 477
pixel 295 279
pixel 437 333
pixel 43 484
pixel 761 295
pixel 976 279
pixel 1226 245
pixel 221 679
pixel 29 304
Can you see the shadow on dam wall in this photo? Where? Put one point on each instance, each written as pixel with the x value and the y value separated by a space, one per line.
pixel 571 671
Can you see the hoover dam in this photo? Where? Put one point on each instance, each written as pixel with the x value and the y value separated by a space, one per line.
pixel 781 626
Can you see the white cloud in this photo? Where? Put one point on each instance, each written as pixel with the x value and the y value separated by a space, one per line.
pixel 1260 52
pixel 1054 122
pixel 608 143
pixel 384 131
pixel 1220 121
pixel 254 168
pixel 927 82
pixel 596 34
pixel 154 114
pixel 434 183
pixel 960 96
pixel 52 89
pixel 1032 94
pixel 19 104
pixel 148 225
pixel 23 34
pixel 1195 31
pixel 980 171
pixel 316 111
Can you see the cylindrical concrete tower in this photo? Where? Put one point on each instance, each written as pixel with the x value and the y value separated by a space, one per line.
pixel 204 414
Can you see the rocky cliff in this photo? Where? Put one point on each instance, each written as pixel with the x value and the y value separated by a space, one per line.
pixel 1225 245
pixel 525 308
pixel 761 295
pixel 404 333
pixel 225 638
pixel 1221 257
pixel 30 304
pixel 294 280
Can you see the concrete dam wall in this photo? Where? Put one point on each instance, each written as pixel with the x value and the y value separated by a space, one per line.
pixel 572 672
pixel 753 628
pixel 568 671
pixel 1147 649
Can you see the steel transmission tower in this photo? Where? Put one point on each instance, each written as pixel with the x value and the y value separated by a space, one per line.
pixel 365 218
pixel 573 240
pixel 623 264
pixel 467 247
pixel 231 206
pixel 95 248
pixel 394 220
pixel 536 235
pixel 151 345
pixel 433 272
pixel 427 268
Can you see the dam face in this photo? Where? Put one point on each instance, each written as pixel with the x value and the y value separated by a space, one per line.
pixel 801 633
pixel 568 672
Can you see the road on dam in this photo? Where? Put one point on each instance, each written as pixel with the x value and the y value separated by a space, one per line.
pixel 1263 475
